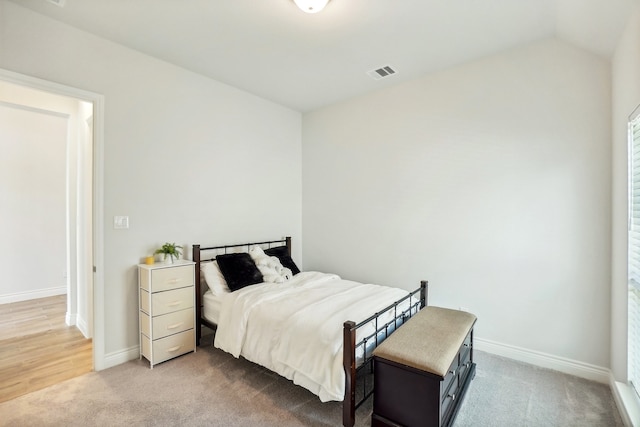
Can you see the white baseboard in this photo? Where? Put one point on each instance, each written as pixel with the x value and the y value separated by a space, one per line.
pixel 544 360
pixel 81 324
pixel 29 295
pixel 122 356
pixel 71 319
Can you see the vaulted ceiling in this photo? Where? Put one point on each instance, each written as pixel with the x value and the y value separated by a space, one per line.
pixel 304 61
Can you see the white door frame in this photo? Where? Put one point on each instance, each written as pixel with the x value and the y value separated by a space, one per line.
pixel 98 318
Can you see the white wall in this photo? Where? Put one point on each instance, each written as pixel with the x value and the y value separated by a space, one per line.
pixel 33 143
pixel 626 97
pixel 188 159
pixel 491 180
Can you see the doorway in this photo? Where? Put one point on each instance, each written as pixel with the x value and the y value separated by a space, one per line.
pixel 83 275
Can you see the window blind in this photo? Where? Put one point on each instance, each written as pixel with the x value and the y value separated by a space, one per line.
pixel 634 253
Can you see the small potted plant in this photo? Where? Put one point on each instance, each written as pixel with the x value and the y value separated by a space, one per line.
pixel 169 251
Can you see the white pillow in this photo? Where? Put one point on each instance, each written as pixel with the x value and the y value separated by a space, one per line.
pixel 214 278
pixel 270 267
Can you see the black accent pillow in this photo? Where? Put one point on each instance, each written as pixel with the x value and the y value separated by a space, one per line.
pixel 282 253
pixel 239 270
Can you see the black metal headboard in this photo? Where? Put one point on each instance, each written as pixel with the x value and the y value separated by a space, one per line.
pixel 197 258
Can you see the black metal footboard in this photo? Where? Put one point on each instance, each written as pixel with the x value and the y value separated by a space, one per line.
pixel 358 356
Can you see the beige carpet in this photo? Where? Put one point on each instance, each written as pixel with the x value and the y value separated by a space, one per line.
pixel 211 388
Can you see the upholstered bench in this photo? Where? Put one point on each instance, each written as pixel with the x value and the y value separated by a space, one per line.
pixel 422 371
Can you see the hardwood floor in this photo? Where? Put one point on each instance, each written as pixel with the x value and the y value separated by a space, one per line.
pixel 37 348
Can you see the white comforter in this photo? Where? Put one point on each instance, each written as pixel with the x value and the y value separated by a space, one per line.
pixel 295 328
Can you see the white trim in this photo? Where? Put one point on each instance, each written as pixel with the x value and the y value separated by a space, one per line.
pixel 29 295
pixel 82 326
pixel 123 356
pixel 627 402
pixel 98 196
pixel 35 110
pixel 544 360
pixel 635 113
pixel 99 316
pixel 71 319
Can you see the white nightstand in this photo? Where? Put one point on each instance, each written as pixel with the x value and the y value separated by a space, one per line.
pixel 166 310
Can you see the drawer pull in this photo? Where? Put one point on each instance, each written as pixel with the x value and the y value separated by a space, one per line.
pixel 174 281
pixel 172 349
pixel 175 325
pixel 174 304
pixel 453 372
pixel 452 396
pixel 465 345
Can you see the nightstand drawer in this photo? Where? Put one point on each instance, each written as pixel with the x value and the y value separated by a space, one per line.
pixel 167 302
pixel 164 279
pixel 170 324
pixel 173 346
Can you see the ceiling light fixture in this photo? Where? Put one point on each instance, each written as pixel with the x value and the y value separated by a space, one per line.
pixel 311 6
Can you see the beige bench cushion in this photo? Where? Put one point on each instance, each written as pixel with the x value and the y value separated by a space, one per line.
pixel 429 341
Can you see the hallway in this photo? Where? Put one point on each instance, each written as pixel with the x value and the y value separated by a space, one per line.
pixel 37 348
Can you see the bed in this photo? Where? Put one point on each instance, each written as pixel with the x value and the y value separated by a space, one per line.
pixel 265 310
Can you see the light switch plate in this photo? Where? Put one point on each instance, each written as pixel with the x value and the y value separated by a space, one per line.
pixel 120 222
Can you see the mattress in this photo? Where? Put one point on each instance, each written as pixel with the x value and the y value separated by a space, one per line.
pixel 211 305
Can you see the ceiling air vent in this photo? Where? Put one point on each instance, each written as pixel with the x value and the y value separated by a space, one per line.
pixel 382 72
pixel 59 3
